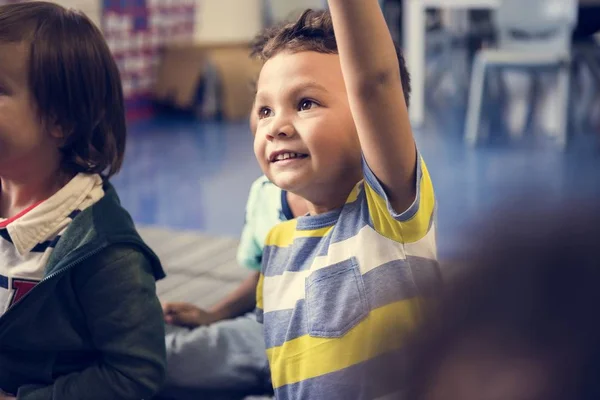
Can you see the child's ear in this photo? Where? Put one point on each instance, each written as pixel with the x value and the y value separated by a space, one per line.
pixel 54 128
pixel 58 134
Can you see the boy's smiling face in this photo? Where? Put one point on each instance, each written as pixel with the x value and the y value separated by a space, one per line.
pixel 305 138
pixel 23 139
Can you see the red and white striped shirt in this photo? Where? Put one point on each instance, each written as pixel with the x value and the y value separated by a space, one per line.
pixel 28 239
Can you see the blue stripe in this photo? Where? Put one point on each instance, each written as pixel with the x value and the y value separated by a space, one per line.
pixel 354 217
pixel 285 206
pixel 277 260
pixel 281 326
pixel 55 241
pixel 4 235
pixel 295 258
pixel 300 255
pixel 74 213
pixel 38 248
pixel 42 247
pixel 348 220
pixel 368 380
pixel 3 282
pixel 389 283
pixel 310 222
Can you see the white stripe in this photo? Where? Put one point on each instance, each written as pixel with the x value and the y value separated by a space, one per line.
pixel 29 266
pixel 370 249
pixel 425 247
pixel 15 266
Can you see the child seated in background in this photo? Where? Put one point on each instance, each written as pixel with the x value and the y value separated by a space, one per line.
pixel 223 348
pixel 333 128
pixel 79 316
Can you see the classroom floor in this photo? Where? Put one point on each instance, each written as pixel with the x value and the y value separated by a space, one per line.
pixel 187 175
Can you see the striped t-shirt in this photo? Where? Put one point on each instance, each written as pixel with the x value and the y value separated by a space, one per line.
pixel 28 239
pixel 338 291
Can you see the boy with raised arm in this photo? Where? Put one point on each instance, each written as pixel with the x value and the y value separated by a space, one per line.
pixel 340 288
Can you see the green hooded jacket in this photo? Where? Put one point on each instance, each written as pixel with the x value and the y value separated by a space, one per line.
pixel 93 328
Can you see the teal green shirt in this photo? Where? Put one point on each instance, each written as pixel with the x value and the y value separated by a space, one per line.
pixel 266 207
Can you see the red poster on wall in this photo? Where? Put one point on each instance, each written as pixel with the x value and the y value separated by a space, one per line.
pixel 135 31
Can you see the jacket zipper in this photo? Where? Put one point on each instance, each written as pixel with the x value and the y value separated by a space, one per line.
pixel 71 265
pixel 62 270
pixel 52 275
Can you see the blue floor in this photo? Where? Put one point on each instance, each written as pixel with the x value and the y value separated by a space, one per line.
pixel 184 174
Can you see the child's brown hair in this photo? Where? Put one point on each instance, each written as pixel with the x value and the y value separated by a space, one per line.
pixel 74 81
pixel 313 31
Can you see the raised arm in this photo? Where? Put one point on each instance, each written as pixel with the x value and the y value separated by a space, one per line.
pixel 372 77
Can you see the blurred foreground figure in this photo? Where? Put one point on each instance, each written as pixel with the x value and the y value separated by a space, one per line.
pixel 519 321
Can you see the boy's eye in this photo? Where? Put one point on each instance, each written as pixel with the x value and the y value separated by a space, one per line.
pixel 306 105
pixel 264 112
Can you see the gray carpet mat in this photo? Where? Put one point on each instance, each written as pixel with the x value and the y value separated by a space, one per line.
pixel 200 268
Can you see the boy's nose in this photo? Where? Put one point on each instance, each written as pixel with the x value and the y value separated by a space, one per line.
pixel 282 131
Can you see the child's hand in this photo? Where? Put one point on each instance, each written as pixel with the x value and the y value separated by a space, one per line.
pixel 186 314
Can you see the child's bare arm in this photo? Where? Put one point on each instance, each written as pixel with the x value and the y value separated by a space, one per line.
pixel 372 77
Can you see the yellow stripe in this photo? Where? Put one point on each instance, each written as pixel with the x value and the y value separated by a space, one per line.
pixel 354 193
pixel 307 357
pixel 259 292
pixel 282 235
pixel 408 231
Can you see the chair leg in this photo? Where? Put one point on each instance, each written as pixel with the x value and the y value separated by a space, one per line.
pixel 564 86
pixel 584 86
pixel 475 100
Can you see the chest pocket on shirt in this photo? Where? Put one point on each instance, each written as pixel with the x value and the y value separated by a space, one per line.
pixel 335 299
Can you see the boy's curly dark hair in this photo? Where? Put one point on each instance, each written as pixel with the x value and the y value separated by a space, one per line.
pixel 313 31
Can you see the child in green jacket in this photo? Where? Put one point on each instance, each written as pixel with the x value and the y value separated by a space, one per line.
pixel 79 317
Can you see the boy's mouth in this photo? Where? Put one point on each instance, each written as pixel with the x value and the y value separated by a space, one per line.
pixel 284 155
